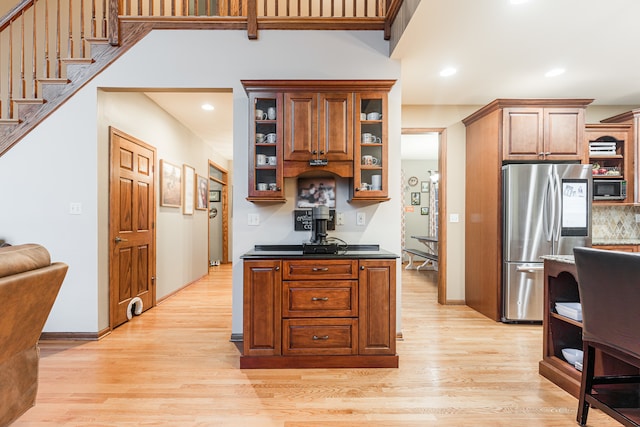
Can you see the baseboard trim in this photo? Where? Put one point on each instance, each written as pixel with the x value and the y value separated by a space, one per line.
pixel 455 302
pixel 74 336
pixel 236 337
pixel 159 300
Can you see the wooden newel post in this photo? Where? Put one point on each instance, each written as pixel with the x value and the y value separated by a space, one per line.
pixel 113 27
pixel 252 19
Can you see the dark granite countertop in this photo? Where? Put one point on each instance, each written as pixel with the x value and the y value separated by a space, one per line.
pixel 295 251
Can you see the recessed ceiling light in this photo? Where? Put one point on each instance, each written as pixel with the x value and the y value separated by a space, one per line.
pixel 207 107
pixel 449 71
pixel 554 72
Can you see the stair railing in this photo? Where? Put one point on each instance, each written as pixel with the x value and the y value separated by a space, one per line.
pixel 39 39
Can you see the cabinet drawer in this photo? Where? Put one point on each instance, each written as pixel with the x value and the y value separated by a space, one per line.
pixel 320 336
pixel 319 269
pixel 315 298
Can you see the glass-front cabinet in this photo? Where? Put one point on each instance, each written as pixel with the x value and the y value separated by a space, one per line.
pixel 370 164
pixel 265 147
pixel 316 127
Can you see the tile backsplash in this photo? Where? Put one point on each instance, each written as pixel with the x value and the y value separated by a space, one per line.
pixel 615 222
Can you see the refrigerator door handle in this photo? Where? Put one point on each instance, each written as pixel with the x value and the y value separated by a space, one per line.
pixel 547 215
pixel 530 268
pixel 558 214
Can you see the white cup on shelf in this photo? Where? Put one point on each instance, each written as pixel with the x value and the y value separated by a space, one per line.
pixel 261 159
pixel 376 182
pixel 262 186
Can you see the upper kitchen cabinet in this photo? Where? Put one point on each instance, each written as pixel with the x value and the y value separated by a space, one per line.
pixel 631 118
pixel 266 181
pixel 549 130
pixel 507 130
pixel 609 151
pixel 320 126
pixel 371 148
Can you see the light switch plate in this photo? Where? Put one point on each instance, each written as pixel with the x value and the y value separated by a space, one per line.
pixel 454 218
pixel 253 219
pixel 75 208
pixel 360 218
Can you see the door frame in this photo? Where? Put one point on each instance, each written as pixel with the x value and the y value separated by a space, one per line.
pixel 442 205
pixel 224 181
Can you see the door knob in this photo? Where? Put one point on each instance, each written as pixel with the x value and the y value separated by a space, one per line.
pixel 119 239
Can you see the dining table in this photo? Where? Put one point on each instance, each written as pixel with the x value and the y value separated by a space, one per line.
pixel 431 245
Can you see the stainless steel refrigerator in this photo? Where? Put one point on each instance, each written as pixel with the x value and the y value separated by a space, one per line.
pixel 546 211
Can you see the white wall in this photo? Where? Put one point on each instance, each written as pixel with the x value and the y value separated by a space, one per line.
pixel 65 159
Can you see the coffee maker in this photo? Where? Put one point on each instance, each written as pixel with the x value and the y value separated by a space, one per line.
pixel 318 243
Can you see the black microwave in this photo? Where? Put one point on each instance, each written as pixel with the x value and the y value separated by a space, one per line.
pixel 609 189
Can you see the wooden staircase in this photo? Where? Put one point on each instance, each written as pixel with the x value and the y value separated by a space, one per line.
pixel 49 49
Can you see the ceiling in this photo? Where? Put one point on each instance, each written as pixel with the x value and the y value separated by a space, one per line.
pixel 500 50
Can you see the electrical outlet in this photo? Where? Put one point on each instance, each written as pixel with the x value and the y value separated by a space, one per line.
pixel 360 218
pixel 637 217
pixel 340 218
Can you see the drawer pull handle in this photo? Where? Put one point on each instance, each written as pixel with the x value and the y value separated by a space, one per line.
pixel 319 299
pixel 324 337
pixel 320 269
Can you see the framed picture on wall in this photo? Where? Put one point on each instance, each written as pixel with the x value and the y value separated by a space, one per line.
pixel 189 188
pixel 202 184
pixel 424 186
pixel 170 184
pixel 415 198
pixel 214 195
pixel 424 211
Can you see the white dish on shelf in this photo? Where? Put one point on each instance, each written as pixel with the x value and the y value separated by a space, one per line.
pixel 572 310
pixel 573 356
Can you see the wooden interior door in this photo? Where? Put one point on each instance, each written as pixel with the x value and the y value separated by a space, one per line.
pixel 131 227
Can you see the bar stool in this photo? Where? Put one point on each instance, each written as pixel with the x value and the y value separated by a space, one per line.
pixel 609 286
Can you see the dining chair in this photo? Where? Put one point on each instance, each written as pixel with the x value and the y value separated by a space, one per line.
pixel 609 288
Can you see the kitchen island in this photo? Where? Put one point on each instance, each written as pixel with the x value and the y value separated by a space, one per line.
pixel 561 285
pixel 319 310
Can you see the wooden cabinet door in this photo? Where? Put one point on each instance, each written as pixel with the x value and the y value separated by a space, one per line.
pixel 336 126
pixel 266 180
pixel 376 146
pixel 377 304
pixel 563 133
pixel 262 326
pixel 300 127
pixel 523 133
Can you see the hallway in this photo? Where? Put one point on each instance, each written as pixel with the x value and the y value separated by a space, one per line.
pixel 175 366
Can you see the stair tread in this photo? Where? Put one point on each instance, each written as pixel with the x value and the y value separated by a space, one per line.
pixel 78 60
pixel 97 39
pixel 29 100
pixel 54 80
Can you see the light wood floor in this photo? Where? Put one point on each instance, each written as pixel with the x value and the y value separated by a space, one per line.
pixel 175 366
